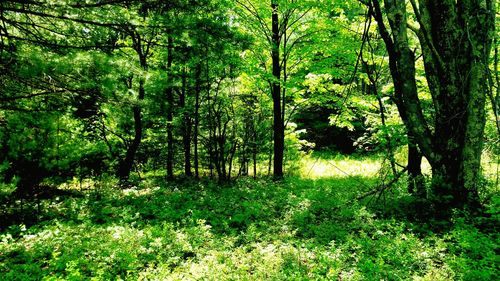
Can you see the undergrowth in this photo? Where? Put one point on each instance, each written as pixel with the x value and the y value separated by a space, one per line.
pixel 299 229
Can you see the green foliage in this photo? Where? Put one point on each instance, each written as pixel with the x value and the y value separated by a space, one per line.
pixel 475 245
pixel 86 85
pixel 252 229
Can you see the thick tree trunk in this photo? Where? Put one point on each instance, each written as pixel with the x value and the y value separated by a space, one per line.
pixel 170 111
pixel 456 176
pixel 279 134
pixel 456 42
pixel 459 37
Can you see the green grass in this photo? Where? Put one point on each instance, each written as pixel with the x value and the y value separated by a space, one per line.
pixel 301 229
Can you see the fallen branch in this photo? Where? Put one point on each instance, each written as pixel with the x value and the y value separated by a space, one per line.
pixel 382 187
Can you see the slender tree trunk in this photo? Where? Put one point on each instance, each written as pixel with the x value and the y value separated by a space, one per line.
pixel 372 89
pixel 186 128
pixel 197 119
pixel 243 157
pixel 170 110
pixel 211 142
pixel 279 134
pixel 254 157
pixel 222 151
pixel 220 162
pixel 232 152
pixel 270 161
pixel 125 166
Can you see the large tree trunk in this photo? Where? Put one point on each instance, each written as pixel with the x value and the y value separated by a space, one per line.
pixel 456 41
pixel 456 173
pixel 279 134
pixel 458 37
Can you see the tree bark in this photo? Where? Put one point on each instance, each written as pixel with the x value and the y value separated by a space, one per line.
pixel 197 119
pixel 278 127
pixel 456 42
pixel 186 128
pixel 170 109
pixel 416 184
pixel 125 166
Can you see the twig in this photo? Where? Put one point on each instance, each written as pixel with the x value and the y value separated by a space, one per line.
pixel 382 187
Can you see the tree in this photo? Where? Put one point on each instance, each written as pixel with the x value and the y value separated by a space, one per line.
pixel 142 43
pixel 278 125
pixel 455 39
pixel 279 24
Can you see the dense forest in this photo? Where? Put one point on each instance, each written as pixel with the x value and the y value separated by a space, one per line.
pixel 249 139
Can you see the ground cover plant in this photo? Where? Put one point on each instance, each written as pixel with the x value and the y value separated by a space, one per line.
pixel 252 229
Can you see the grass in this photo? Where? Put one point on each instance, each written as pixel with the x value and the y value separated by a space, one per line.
pixel 305 228
pixel 320 165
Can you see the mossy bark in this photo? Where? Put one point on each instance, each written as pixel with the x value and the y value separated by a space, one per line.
pixel 456 40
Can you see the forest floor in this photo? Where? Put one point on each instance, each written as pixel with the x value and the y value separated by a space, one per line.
pixel 307 227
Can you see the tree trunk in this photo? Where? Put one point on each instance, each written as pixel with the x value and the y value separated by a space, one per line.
pixel 279 134
pixel 197 119
pixel 170 110
pixel 416 183
pixel 126 164
pixel 232 152
pixel 254 158
pixel 186 128
pixel 456 42
pixel 456 174
pixel 459 36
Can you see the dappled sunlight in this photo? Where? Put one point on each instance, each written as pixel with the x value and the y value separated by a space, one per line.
pixel 249 140
pixel 315 167
pixel 490 164
pixel 252 230
pixel 308 226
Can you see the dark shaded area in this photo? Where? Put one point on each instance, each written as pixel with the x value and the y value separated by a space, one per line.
pixel 30 208
pixel 316 122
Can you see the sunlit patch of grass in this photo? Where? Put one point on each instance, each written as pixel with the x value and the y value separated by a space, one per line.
pixel 79 184
pixel 316 166
pixel 323 165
